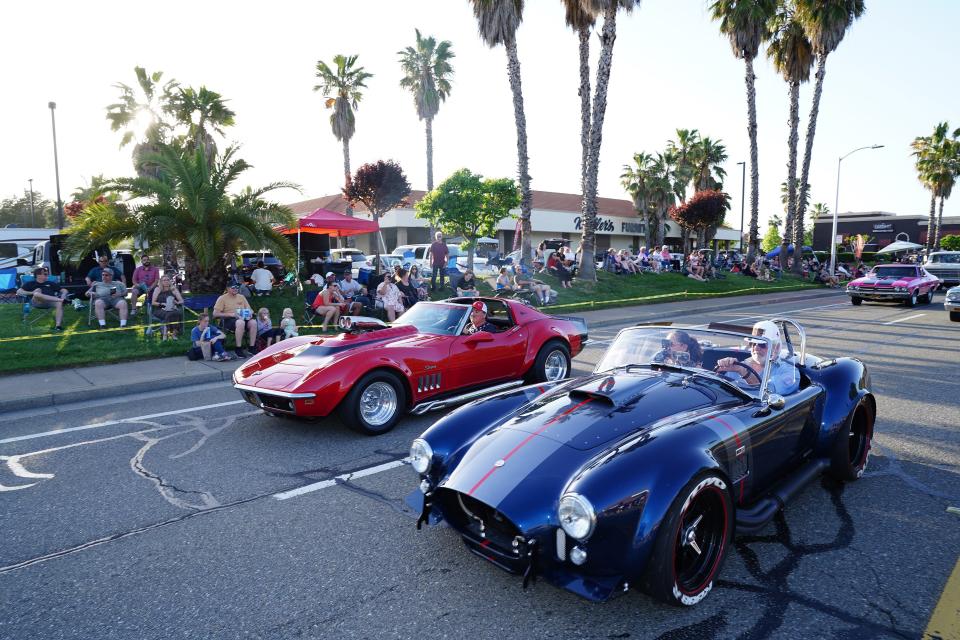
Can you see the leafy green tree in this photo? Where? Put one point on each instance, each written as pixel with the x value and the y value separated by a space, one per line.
pixel 16 211
pixel 341 88
pixel 467 205
pixel 825 22
pixel 745 23
pixel 703 212
pixel 145 114
pixel 772 238
pixel 708 157
pixel 204 113
pixel 426 74
pixel 950 243
pixel 188 202
pixel 380 186
pixel 938 165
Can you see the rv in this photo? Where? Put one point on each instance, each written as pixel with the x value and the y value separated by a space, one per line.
pixel 17 246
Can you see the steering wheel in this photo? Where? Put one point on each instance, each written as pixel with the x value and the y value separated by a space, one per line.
pixel 747 373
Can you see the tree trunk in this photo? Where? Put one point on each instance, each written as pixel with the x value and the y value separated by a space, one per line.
pixel 798 231
pixel 754 168
pixel 200 281
pixel 169 249
pixel 608 36
pixel 513 71
pixel 936 234
pixel 588 240
pixel 429 128
pixel 794 123
pixel 346 179
pixel 931 222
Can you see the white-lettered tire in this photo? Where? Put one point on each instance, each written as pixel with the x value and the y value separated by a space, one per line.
pixel 851 449
pixel 692 542
pixel 929 298
pixel 374 404
pixel 914 298
pixel 552 363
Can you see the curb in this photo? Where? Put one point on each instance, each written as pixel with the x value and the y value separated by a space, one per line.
pixel 724 307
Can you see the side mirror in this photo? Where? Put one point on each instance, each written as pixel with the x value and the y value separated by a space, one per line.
pixel 478 337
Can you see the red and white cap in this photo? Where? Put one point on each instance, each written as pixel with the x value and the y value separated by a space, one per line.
pixel 479 306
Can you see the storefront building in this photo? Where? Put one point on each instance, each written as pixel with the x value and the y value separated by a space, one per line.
pixel 553 215
pixel 880 227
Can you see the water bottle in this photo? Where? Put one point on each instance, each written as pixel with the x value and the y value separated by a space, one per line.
pixel 26 307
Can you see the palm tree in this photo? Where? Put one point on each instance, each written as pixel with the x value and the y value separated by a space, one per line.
pixel 825 23
pixel 684 149
pixel 792 56
pixel 188 203
pixel 144 115
pixel 497 21
pixel 744 22
pixel 637 181
pixel 426 73
pixel 707 157
pixel 582 22
pixel 342 88
pixel 938 165
pixel 608 35
pixel 204 112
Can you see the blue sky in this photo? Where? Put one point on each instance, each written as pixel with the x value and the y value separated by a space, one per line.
pixel 891 79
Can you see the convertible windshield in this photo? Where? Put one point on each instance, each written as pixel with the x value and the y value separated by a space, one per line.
pixel 436 318
pixel 895 272
pixel 740 358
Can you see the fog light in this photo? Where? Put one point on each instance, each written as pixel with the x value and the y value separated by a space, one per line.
pixel 578 555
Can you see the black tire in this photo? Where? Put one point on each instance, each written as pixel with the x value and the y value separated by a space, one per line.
pixel 929 298
pixel 856 301
pixel 912 301
pixel 955 316
pixel 676 573
pixel 546 367
pixel 852 446
pixel 378 383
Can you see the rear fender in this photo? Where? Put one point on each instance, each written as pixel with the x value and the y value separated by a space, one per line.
pixel 452 435
pixel 846 383
pixel 541 332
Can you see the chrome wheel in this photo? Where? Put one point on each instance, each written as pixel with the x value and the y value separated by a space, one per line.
pixel 378 403
pixel 555 366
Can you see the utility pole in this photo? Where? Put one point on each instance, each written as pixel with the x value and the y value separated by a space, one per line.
pixel 33 221
pixel 56 164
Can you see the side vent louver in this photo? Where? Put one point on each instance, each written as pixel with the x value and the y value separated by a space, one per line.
pixel 428 383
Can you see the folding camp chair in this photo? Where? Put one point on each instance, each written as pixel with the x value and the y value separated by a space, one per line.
pixel 8 285
pixel 309 297
pixel 109 312
pixel 33 314
pixel 155 316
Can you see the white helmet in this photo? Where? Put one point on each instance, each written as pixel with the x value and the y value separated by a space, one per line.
pixel 771 332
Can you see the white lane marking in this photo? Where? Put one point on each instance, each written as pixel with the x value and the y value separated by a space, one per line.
pixel 323 484
pixel 776 314
pixel 110 423
pixel 916 315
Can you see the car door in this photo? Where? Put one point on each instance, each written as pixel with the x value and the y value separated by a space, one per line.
pixel 488 357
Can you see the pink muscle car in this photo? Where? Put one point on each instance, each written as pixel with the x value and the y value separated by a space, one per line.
pixel 899 282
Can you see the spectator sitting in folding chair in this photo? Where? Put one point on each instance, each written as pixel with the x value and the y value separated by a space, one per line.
pixel 328 304
pixel 165 306
pixel 389 298
pixel 108 294
pixel 233 310
pixel 44 294
pixel 418 283
pixel 354 293
pixel 467 286
pixel 144 279
pixel 522 281
pixel 556 268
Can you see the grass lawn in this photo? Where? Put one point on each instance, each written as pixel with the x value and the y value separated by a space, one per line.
pixel 37 347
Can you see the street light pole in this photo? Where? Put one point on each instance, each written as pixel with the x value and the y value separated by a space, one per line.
pixel 56 163
pixel 33 221
pixel 836 207
pixel 743 195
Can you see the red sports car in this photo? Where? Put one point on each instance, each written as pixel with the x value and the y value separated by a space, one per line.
pixel 374 372
pixel 898 282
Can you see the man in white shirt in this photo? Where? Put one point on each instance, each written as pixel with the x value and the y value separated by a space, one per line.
pixel 262 279
pixel 354 292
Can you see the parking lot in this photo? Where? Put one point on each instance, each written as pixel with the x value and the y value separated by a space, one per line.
pixel 190 514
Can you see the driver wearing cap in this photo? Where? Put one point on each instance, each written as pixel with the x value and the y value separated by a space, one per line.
pixel 784 379
pixel 478 319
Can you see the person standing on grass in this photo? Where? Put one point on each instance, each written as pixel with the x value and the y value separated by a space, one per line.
pixel 233 310
pixel 439 254
pixel 45 295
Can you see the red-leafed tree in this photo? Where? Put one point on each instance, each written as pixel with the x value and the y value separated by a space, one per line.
pixel 379 186
pixel 702 214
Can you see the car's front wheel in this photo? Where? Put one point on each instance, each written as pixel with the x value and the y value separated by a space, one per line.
pixel 552 363
pixel 692 542
pixel 852 446
pixel 912 302
pixel 955 316
pixel 929 298
pixel 375 404
pixel 855 301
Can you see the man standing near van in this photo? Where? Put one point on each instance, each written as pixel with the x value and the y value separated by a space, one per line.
pixel 439 253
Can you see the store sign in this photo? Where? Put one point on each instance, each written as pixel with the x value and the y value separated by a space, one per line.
pixel 883 227
pixel 609 225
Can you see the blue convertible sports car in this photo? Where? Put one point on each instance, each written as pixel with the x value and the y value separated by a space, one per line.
pixel 639 474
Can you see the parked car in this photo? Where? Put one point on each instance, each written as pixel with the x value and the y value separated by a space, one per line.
pixel 72 274
pixel 638 475
pixel 944 265
pixel 420 253
pixel 249 259
pixel 898 282
pixel 952 303
pixel 375 372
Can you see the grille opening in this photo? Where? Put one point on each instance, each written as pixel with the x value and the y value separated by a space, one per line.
pixel 276 402
pixel 462 512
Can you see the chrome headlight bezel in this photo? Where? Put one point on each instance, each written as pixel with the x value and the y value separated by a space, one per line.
pixel 576 516
pixel 421 456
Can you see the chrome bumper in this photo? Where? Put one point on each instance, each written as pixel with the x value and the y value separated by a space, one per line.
pixel 872 293
pixel 951 305
pixel 271 400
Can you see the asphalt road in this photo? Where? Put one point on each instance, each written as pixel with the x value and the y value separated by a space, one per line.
pixel 169 526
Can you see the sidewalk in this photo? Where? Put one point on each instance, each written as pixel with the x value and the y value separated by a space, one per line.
pixel 54 388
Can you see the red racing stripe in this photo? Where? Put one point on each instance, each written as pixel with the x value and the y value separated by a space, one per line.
pixel 526 440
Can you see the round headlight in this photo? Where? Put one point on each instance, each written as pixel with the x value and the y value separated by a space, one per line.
pixel 576 516
pixel 421 455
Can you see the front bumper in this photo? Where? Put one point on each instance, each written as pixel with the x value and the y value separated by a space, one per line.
pixel 273 400
pixel 951 305
pixel 878 294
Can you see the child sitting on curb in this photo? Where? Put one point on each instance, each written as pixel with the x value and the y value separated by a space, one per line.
pixel 288 324
pixel 207 339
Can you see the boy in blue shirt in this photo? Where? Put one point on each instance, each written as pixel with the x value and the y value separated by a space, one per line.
pixel 205 332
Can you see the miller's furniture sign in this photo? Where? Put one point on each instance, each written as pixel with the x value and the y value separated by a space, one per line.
pixel 883 227
pixel 608 225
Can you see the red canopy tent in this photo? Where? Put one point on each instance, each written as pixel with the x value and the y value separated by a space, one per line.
pixel 332 223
